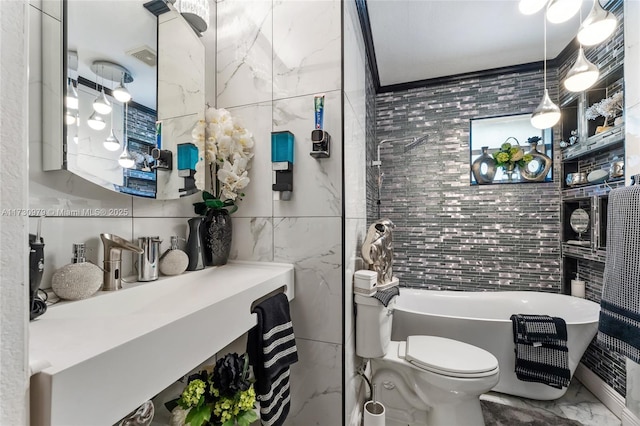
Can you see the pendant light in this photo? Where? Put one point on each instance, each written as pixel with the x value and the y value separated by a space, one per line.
pixel 560 11
pixel 121 93
pixel 71 100
pixel 69 118
pixel 529 7
pixel 126 160
pixel 101 105
pixel 111 143
pixel 96 122
pixel 547 114
pixel 597 26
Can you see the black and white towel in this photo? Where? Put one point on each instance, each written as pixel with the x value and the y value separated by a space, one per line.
pixel 272 349
pixel 541 349
pixel 385 296
pixel 619 326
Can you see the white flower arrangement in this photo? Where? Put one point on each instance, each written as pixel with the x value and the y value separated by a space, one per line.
pixel 607 108
pixel 228 154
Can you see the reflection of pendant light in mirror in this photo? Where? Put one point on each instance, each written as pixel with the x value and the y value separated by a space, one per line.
pixel 547 114
pixel 598 25
pixel 529 7
pixel 111 143
pixel 69 118
pixel 582 75
pixel 126 160
pixel 121 93
pixel 196 12
pixel 96 122
pixel 101 105
pixel 562 10
pixel 71 100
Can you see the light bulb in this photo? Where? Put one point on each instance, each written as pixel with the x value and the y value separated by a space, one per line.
pixel 562 10
pixel 529 7
pixel 547 114
pixel 597 26
pixel 96 122
pixel 75 139
pixel 111 143
pixel 69 118
pixel 71 100
pixel 121 93
pixel 126 160
pixel 102 105
pixel 582 75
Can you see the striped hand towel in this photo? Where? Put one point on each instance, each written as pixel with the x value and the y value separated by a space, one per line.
pixel 272 349
pixel 619 326
pixel 541 349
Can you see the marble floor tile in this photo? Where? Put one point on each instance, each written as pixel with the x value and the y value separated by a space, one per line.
pixel 577 404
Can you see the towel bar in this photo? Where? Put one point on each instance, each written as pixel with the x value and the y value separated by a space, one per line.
pixel 281 289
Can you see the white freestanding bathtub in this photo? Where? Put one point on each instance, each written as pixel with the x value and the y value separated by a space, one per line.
pixel 482 319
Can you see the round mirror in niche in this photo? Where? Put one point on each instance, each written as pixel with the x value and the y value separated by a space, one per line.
pixel 579 221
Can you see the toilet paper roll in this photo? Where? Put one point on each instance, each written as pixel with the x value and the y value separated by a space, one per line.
pixel 374 414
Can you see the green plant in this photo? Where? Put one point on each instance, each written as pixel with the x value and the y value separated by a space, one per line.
pixel 223 397
pixel 510 155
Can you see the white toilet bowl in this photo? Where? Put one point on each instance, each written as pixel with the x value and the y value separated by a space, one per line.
pixel 433 381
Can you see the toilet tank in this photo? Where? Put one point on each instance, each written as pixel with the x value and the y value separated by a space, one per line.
pixel 373 326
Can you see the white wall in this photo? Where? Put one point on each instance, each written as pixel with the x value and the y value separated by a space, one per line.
pixel 272 57
pixel 13 225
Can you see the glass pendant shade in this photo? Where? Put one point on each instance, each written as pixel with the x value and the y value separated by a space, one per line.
pixel 126 160
pixel 547 114
pixel 96 122
pixel 562 10
pixel 75 139
pixel 529 7
pixel 597 26
pixel 111 143
pixel 71 100
pixel 121 93
pixel 582 75
pixel 102 105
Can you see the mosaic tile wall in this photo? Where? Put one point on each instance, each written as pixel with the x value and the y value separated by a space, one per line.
pixel 449 234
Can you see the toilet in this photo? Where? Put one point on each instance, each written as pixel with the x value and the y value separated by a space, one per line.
pixel 425 380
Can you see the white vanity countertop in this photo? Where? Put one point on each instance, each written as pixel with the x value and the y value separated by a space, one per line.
pixel 97 359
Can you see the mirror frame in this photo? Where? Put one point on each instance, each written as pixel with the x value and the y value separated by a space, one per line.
pixel 574 217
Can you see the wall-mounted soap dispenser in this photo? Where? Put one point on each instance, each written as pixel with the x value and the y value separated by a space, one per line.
pixel 282 164
pixel 320 140
pixel 187 160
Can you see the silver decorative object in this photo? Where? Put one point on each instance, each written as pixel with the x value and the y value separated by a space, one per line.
pixel 377 249
pixel 484 167
pixel 537 169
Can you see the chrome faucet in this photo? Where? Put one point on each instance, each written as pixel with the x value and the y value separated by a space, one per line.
pixel 113 246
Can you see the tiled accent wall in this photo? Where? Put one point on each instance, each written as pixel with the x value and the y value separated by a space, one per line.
pixel 450 235
pixel 141 125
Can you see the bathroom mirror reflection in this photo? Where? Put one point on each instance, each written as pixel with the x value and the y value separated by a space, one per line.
pixel 579 221
pixel 157 60
pixel 511 137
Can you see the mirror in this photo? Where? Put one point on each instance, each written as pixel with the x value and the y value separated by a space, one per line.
pixel 527 150
pixel 160 62
pixel 579 221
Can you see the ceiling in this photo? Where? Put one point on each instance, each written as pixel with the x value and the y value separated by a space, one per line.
pixel 417 40
pixel 107 30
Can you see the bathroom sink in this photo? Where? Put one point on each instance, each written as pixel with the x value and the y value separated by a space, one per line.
pixel 95 360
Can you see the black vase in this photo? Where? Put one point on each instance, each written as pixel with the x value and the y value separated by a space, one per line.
pixel 217 237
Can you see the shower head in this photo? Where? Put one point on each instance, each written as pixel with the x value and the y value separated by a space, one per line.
pixel 416 142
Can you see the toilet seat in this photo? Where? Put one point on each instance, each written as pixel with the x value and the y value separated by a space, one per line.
pixel 448 357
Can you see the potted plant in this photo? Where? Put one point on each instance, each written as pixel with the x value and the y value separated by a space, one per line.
pixel 609 108
pixel 228 154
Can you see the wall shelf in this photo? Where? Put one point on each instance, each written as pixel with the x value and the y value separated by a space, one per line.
pixel 95 360
pixel 595 143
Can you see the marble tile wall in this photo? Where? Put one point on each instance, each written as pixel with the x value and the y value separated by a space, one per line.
pixel 269 66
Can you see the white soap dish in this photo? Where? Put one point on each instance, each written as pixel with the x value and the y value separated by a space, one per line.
pixel 598 176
